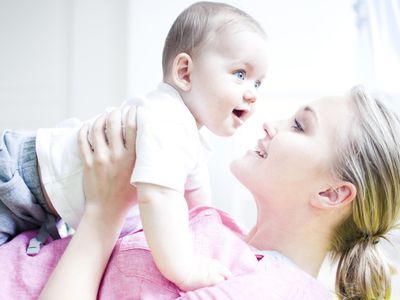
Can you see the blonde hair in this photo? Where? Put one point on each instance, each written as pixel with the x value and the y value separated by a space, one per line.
pixel 371 161
pixel 196 24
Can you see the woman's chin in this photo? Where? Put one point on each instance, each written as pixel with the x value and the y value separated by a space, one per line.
pixel 237 168
pixel 240 164
pixel 233 166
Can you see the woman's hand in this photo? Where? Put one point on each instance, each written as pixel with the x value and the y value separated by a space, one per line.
pixel 108 162
pixel 108 156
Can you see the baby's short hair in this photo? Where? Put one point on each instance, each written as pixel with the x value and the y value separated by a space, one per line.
pixel 193 28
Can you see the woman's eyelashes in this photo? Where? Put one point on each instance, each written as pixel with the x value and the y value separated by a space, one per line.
pixel 297 126
pixel 241 74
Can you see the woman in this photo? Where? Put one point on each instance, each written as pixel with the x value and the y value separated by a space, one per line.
pixel 324 181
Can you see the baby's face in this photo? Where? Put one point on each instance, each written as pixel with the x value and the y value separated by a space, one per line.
pixel 225 79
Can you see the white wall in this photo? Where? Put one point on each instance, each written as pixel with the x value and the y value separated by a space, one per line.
pixel 60 58
pixel 33 64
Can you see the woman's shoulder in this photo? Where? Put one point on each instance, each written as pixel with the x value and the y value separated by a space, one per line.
pixel 289 279
pixel 272 281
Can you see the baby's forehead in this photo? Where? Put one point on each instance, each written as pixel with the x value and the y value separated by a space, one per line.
pixel 230 31
pixel 240 46
pixel 231 23
pixel 225 25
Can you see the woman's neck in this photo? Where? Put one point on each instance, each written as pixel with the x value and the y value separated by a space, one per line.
pixel 301 241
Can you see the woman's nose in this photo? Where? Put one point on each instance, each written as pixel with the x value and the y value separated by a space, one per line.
pixel 269 129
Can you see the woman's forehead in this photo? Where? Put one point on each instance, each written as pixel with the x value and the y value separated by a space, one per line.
pixel 334 114
pixel 332 107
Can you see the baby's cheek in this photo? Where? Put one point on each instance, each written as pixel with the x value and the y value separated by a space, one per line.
pixel 251 112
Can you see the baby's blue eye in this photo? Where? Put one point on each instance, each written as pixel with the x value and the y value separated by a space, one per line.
pixel 257 84
pixel 241 74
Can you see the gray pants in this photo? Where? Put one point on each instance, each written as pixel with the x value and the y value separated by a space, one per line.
pixel 22 204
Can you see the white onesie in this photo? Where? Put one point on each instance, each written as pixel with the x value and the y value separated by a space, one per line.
pixel 171 152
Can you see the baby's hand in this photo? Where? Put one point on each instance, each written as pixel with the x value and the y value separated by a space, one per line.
pixel 205 272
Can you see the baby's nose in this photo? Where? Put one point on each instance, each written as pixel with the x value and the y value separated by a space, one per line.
pixel 249 96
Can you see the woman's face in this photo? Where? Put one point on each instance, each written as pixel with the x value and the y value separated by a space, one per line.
pixel 294 159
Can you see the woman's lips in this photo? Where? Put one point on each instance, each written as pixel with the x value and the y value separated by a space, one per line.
pixel 260 150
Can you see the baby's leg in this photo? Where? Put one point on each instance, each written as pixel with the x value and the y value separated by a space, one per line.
pixel 11 224
pixel 21 200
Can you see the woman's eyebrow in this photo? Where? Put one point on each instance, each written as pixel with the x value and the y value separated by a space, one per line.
pixel 310 110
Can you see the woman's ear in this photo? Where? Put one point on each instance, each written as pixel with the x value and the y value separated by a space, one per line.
pixel 181 71
pixel 340 195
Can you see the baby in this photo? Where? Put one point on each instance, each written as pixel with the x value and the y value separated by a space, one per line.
pixel 214 60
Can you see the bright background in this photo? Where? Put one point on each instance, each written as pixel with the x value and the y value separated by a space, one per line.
pixel 63 58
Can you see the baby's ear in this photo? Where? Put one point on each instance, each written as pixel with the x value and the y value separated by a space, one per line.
pixel 181 71
pixel 340 195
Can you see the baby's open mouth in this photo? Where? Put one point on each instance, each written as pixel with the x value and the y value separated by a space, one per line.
pixel 238 113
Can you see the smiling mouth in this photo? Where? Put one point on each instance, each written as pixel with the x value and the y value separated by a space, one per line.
pixel 261 153
pixel 260 150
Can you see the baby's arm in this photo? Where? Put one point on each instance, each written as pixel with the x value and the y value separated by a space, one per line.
pixel 164 215
pixel 199 196
pixel 197 188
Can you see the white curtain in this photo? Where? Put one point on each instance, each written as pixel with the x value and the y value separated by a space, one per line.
pixel 378 22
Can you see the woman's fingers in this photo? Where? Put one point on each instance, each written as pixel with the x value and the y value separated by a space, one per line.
pixel 97 133
pixel 114 130
pixel 85 148
pixel 102 141
pixel 130 128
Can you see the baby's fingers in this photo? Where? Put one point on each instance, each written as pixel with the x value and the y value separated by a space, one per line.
pixel 222 271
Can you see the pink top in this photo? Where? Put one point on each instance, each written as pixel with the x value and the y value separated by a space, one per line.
pixel 132 274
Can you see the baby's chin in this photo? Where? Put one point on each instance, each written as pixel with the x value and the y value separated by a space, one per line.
pixel 223 130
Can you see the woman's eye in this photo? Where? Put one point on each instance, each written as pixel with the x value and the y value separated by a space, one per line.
pixel 257 84
pixel 241 74
pixel 297 126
